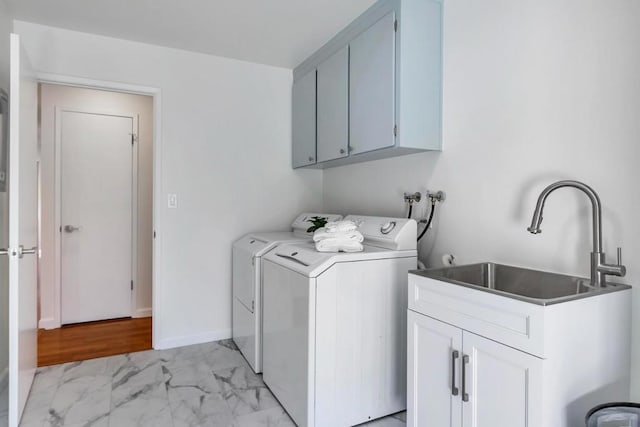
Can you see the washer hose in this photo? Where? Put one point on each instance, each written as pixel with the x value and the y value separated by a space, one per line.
pixel 424 230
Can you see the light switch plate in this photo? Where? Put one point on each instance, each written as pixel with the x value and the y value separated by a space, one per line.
pixel 172 201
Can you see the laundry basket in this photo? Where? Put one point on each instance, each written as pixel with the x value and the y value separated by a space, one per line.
pixel 619 414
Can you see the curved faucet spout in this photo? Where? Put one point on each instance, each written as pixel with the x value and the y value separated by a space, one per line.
pixel 599 268
pixel 536 221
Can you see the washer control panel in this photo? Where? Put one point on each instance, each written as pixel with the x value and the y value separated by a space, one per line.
pixel 385 232
pixel 387 227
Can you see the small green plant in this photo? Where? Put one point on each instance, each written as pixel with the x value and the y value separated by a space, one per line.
pixel 318 222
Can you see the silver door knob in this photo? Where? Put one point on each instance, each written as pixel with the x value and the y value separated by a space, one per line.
pixel 22 251
pixel 71 228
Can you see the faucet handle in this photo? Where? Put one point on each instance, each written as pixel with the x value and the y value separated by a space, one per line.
pixel 619 256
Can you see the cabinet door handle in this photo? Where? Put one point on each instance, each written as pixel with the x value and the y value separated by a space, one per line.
pixel 454 356
pixel 465 362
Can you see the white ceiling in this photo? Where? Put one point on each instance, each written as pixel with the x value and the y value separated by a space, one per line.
pixel 274 32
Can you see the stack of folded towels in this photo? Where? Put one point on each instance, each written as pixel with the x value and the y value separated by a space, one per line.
pixel 338 236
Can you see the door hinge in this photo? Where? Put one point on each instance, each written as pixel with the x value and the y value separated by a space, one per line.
pixel 132 285
pixel 395 25
pixel 395 130
pixel 134 138
pixel 154 234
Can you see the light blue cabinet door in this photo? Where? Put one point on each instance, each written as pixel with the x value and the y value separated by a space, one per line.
pixel 372 87
pixel 333 106
pixel 304 120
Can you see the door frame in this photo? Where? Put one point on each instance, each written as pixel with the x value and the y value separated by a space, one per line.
pixel 157 212
pixel 57 295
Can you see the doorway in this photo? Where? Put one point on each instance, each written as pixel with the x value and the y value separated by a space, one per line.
pixel 96 222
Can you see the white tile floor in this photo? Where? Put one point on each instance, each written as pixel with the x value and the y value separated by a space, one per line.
pixel 202 385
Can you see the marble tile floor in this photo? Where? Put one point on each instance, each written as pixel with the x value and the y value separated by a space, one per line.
pixel 207 385
pixel 4 407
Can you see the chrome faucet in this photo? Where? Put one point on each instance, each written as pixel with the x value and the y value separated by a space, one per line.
pixel 599 268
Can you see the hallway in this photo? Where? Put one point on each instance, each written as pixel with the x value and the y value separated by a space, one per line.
pixel 84 341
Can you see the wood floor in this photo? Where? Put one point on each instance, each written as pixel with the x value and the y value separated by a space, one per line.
pixel 95 339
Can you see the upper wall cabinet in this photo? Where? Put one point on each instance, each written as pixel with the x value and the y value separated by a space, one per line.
pixel 372 91
pixel 379 87
pixel 333 106
pixel 304 120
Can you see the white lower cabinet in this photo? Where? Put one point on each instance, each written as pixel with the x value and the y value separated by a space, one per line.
pixel 485 360
pixel 433 363
pixel 500 386
pixel 460 379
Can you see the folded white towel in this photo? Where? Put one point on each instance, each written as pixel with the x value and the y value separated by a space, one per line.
pixel 337 226
pixel 322 233
pixel 339 245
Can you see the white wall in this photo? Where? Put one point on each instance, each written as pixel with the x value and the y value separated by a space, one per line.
pixel 94 100
pixel 225 151
pixel 535 91
pixel 5 30
pixel 6 27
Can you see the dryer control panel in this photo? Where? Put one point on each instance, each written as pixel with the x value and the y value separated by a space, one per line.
pixel 389 233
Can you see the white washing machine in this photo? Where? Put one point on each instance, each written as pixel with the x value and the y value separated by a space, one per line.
pixel 246 278
pixel 334 326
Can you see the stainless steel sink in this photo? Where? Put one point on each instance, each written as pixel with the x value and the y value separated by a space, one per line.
pixel 533 286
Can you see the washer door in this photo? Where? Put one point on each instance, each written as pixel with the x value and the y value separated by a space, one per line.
pixel 246 271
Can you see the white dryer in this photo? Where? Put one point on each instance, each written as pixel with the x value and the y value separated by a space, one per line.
pixel 246 277
pixel 334 326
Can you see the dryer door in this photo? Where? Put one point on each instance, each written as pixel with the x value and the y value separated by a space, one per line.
pixel 246 271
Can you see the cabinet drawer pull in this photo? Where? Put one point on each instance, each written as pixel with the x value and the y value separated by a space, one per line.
pixel 454 356
pixel 465 362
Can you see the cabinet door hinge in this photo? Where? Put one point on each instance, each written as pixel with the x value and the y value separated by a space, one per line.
pixel 395 25
pixel 395 130
pixel 132 285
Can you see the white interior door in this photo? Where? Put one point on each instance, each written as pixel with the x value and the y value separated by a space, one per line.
pixel 23 222
pixel 96 210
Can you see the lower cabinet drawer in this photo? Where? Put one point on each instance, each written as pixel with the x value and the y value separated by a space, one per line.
pixel 514 323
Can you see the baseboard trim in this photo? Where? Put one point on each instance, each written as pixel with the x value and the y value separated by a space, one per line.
pixel 142 312
pixel 166 343
pixel 4 379
pixel 48 323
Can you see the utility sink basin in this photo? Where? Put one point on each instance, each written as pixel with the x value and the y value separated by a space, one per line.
pixel 537 287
